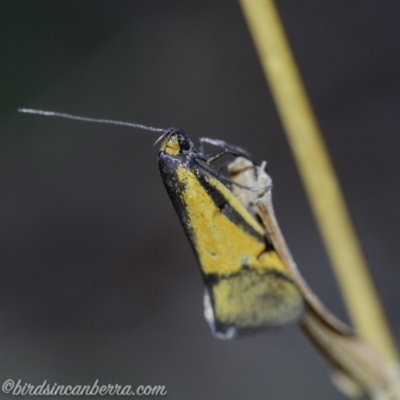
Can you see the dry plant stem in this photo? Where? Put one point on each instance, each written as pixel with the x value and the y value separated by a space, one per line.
pixel 357 367
pixel 348 354
pixel 318 176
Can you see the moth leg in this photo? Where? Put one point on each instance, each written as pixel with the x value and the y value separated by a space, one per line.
pixel 220 154
pixel 228 148
pixel 223 166
pixel 214 171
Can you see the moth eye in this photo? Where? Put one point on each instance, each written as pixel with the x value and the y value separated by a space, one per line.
pixel 185 143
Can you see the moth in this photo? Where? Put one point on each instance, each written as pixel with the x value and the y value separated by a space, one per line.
pixel 251 281
pixel 247 285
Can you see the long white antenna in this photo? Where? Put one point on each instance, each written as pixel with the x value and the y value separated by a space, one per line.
pixel 86 119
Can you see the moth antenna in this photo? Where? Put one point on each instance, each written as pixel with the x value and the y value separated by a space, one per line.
pixel 87 119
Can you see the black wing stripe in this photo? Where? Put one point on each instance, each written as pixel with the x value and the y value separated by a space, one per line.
pixel 223 204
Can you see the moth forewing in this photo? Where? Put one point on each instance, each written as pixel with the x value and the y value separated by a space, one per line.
pixel 247 286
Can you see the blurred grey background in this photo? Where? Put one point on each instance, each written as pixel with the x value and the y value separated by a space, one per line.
pixel 97 280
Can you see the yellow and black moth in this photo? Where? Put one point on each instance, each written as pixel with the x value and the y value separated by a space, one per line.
pixel 247 286
pixel 251 280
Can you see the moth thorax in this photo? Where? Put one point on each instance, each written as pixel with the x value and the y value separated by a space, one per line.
pixel 171 145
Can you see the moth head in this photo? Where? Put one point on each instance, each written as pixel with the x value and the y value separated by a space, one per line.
pixel 175 142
